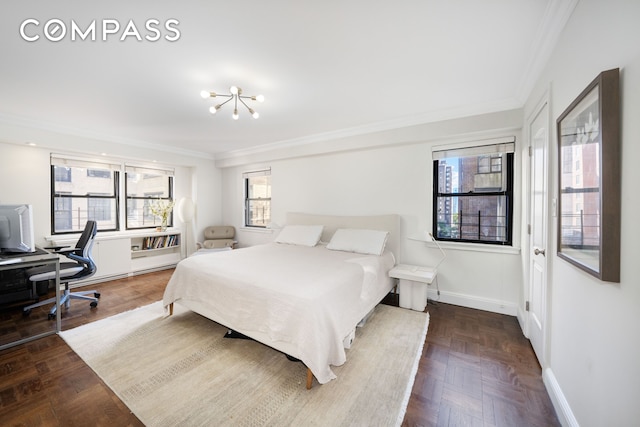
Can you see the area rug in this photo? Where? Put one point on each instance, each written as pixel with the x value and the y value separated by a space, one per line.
pixel 180 370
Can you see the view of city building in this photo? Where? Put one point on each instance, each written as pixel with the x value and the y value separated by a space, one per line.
pixel 472 202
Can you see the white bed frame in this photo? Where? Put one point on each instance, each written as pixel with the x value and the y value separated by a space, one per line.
pixel 390 223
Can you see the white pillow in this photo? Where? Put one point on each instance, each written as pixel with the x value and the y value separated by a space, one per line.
pixel 303 235
pixel 370 242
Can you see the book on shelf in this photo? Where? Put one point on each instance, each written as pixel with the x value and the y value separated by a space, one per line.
pixel 159 242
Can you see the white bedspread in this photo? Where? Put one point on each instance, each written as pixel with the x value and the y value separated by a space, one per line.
pixel 300 300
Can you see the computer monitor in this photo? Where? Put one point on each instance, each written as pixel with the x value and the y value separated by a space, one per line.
pixel 16 229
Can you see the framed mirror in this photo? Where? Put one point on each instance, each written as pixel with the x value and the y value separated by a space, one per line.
pixel 589 179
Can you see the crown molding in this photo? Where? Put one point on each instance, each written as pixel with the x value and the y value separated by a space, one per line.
pixel 40 125
pixel 247 155
pixel 555 19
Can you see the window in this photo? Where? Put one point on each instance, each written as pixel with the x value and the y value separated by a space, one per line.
pixel 82 191
pixel 490 164
pixel 63 174
pixel 257 198
pixel 473 193
pixel 145 187
pixel 99 208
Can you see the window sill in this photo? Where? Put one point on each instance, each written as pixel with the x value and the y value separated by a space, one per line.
pixel 257 230
pixel 471 247
pixel 112 235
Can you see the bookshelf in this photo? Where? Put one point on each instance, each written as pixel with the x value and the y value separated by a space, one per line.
pixel 156 243
pixel 155 250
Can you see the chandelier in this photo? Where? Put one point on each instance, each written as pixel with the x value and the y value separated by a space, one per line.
pixel 236 96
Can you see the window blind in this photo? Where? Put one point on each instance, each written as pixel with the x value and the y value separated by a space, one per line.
pixel 79 162
pixel 149 170
pixel 253 174
pixel 479 148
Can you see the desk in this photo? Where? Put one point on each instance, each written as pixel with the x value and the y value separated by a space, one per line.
pixel 27 260
pixel 413 284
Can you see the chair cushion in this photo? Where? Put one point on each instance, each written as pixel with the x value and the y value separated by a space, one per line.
pixel 219 232
pixel 219 243
pixel 48 272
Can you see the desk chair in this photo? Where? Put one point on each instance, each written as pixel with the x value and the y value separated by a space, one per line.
pixel 82 268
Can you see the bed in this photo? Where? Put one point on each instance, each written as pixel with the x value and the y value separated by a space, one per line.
pixel 300 298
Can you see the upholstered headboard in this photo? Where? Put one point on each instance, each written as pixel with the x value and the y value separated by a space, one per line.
pixel 390 223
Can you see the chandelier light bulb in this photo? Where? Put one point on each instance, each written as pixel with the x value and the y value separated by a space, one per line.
pixel 233 97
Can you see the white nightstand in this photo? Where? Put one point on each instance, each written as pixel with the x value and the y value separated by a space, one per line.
pixel 413 282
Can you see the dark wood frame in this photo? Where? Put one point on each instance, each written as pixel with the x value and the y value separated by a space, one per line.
pixel 606 265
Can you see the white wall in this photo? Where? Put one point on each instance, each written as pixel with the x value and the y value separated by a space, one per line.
pixel 393 177
pixel 593 343
pixel 25 174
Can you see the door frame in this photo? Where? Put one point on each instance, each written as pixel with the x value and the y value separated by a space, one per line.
pixel 527 291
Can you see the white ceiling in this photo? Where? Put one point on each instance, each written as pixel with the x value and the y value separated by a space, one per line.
pixel 325 67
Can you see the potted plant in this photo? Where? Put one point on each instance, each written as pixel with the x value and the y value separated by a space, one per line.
pixel 162 209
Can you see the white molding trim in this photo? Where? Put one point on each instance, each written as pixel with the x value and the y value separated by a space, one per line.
pixel 560 403
pixel 555 19
pixel 473 301
pixel 308 145
pixel 40 125
pixel 522 317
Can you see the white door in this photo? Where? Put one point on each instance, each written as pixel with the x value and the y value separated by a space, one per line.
pixel 538 251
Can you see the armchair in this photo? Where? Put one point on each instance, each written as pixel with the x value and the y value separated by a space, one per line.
pixel 218 237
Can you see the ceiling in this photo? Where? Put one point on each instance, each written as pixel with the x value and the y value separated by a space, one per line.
pixel 326 68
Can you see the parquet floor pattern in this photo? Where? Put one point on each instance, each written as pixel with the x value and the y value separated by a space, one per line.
pixel 476 370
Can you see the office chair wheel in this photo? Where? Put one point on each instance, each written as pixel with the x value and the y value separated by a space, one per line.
pixel 51 316
pixel 25 313
pixel 96 294
pixel 93 304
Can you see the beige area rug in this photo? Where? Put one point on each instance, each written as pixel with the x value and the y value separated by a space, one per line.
pixel 180 371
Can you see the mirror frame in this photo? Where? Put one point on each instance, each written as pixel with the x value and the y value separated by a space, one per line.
pixel 601 256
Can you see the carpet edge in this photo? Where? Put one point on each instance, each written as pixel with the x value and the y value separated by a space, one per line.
pixel 414 372
pixel 119 395
pixel 62 334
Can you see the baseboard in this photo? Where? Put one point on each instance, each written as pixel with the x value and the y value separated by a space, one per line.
pixel 472 301
pixel 94 280
pixel 563 410
pixel 522 320
pixel 152 269
pixel 101 279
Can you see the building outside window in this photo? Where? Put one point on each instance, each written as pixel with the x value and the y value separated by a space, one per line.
pixel 144 187
pixel 82 191
pixel 62 210
pixel 473 193
pixel 581 225
pixel 257 198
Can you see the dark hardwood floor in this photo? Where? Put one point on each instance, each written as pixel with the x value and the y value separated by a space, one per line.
pixel 476 369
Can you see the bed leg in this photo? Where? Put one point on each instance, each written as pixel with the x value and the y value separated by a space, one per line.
pixel 171 309
pixel 309 379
